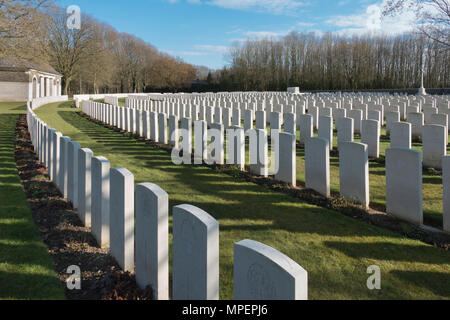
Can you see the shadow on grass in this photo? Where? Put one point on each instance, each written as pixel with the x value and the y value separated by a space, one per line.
pixel 20 246
pixel 389 251
pixel 27 286
pixel 422 278
pixel 238 200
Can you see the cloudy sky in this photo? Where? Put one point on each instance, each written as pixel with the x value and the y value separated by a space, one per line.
pixel 200 31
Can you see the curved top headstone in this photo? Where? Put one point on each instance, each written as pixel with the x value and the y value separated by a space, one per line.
pixel 195 254
pixel 263 273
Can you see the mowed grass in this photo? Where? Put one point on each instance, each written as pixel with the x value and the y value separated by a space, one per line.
pixel 334 249
pixel 432 182
pixel 26 269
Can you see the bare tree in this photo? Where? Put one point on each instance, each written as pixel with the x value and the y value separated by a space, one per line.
pixel 68 48
pixel 332 62
pixel 433 17
pixel 21 24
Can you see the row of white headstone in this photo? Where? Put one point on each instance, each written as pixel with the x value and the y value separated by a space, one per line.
pixel 431 125
pixel 114 100
pixel 403 164
pixel 264 101
pixel 134 221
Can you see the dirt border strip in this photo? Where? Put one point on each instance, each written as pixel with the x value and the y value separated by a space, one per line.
pixel 68 241
pixel 426 234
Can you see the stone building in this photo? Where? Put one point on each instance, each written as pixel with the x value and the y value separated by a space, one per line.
pixel 22 80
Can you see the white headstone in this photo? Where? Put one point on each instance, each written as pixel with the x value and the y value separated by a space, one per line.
pixel 162 127
pixel 446 192
pixel 63 166
pixel 404 184
pixel 121 230
pixel 100 200
pixel 286 159
pixel 317 165
pixel 152 239
pixel 263 273
pixel 195 254
pixel 401 135
pixel 72 174
pixel 258 152
pixel 354 171
pixel 84 185
pixel 326 129
pixel 434 140
pixel 345 130
pixel 370 135
pixel 236 146
pixel 306 127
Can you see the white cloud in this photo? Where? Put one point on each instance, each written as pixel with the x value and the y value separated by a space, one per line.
pixel 185 53
pixel 200 50
pixel 287 7
pixel 305 24
pixel 372 21
pixel 207 48
pixel 343 2
pixel 265 34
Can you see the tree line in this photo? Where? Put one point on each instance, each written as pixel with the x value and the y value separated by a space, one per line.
pixel 98 59
pixel 93 59
pixel 333 62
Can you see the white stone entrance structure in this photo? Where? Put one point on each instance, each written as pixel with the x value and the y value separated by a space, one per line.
pixel 24 81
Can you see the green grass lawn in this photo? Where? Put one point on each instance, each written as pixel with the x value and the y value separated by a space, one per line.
pixel 335 250
pixel 26 269
pixel 432 183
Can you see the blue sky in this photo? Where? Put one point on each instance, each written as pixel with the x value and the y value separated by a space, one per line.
pixel 200 31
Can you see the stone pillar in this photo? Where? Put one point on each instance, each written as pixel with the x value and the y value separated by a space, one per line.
pixel 42 87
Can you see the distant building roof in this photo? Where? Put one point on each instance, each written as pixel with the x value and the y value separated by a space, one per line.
pixel 16 64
